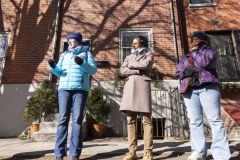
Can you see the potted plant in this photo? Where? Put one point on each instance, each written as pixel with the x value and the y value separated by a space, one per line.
pixel 41 104
pixel 98 110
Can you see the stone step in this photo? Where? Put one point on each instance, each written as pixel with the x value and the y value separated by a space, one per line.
pixel 234 132
pixel 51 118
pixel 232 128
pixel 51 126
pixel 48 126
pixel 41 136
pixel 47 131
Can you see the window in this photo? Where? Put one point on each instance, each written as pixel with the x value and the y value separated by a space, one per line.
pixel 86 43
pixel 200 3
pixel 126 37
pixel 3 51
pixel 228 47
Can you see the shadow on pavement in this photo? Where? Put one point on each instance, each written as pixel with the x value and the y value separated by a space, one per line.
pixel 174 149
pixel 27 155
pixel 164 150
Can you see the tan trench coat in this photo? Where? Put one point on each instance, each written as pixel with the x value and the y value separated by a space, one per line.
pixel 137 88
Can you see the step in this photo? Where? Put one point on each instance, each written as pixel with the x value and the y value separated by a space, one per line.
pixel 47 132
pixel 43 136
pixel 48 126
pixel 232 128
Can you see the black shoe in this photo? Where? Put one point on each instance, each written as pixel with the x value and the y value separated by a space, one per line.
pixel 75 158
pixel 59 158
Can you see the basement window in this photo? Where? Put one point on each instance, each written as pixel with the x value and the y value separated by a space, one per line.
pixel 227 44
pixel 3 51
pixel 126 37
pixel 202 3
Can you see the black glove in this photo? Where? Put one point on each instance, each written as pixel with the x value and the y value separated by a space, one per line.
pixel 51 63
pixel 78 60
pixel 189 71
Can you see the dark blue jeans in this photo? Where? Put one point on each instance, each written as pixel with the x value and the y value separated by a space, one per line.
pixel 75 101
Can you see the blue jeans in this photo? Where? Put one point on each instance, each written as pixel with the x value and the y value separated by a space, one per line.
pixel 75 101
pixel 206 99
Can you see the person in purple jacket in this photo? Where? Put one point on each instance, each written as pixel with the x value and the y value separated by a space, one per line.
pixel 200 90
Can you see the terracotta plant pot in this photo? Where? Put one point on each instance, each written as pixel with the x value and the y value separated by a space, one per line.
pixel 97 130
pixel 33 128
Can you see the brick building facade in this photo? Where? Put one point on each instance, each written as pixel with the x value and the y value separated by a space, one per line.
pixel 35 31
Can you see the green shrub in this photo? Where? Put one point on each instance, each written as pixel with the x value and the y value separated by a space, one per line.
pixel 42 103
pixel 97 106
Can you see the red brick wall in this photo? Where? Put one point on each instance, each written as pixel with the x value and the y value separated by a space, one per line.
pixel 101 21
pixel 32 26
pixel 224 16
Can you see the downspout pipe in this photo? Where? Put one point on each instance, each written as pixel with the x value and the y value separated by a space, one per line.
pixel 174 32
pixel 182 26
pixel 55 35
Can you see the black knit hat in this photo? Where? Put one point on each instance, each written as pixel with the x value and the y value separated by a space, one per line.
pixel 200 35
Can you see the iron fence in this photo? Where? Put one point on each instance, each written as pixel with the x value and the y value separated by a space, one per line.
pixel 228 68
pixel 169 116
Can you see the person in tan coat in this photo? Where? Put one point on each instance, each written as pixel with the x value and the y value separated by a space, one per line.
pixel 136 98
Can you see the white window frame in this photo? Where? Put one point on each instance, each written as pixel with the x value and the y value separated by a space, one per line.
pixel 210 4
pixel 88 46
pixel 3 53
pixel 123 31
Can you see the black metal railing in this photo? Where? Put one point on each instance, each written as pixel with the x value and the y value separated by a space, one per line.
pixel 169 115
pixel 228 68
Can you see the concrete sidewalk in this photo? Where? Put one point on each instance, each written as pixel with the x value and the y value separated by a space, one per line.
pixel 107 148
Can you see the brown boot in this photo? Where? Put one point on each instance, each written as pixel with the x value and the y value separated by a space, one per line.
pixel 130 156
pixel 148 156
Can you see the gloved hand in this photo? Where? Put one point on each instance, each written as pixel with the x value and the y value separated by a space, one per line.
pixel 189 71
pixel 78 60
pixel 51 63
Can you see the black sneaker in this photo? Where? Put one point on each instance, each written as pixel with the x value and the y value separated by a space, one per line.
pixel 75 158
pixel 59 158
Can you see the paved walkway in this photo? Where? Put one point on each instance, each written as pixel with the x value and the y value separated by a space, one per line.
pixel 108 149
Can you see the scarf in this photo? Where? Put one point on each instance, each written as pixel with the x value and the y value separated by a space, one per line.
pixel 73 49
pixel 139 51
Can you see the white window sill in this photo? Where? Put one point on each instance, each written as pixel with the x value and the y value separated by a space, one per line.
pixel 203 5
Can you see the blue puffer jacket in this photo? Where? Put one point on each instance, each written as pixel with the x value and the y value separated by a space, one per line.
pixel 74 76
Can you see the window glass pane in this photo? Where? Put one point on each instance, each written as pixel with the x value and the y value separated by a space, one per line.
pixel 1 67
pixel 3 42
pixel 237 37
pixel 126 38
pixel 86 43
pixel 227 65
pixel 3 52
pixel 200 1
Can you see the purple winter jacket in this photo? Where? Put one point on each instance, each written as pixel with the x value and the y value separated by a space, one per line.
pixel 204 60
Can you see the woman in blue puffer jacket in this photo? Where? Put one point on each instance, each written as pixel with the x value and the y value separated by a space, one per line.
pixel 200 90
pixel 74 68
